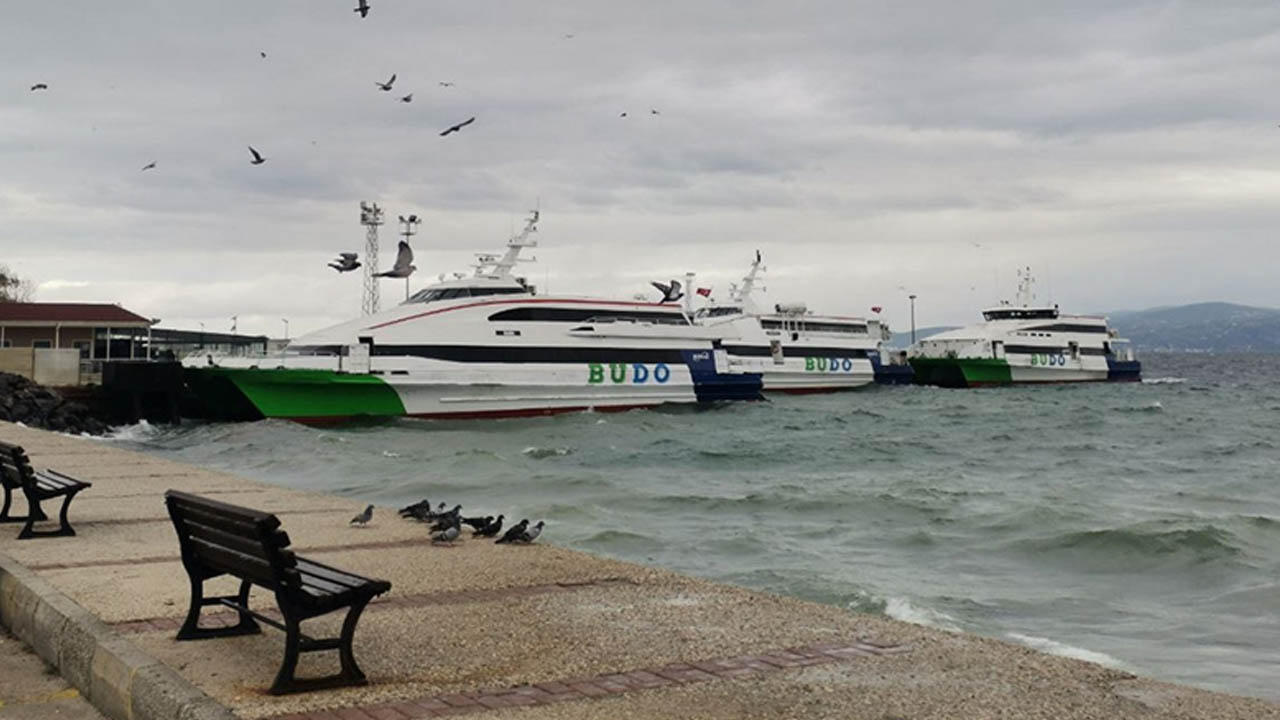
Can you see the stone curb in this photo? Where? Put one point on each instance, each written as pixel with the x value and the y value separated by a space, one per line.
pixel 120 680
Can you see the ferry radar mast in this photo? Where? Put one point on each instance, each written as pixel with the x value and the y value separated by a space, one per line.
pixel 491 266
pixel 741 294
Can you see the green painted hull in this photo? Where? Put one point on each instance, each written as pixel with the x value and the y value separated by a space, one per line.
pixel 306 395
pixel 961 372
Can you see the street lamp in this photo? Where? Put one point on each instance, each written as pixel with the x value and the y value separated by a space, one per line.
pixel 286 327
pixel 912 298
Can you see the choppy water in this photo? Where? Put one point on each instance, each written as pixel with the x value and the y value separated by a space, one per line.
pixel 1136 525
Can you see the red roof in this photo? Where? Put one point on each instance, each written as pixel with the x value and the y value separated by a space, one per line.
pixel 68 312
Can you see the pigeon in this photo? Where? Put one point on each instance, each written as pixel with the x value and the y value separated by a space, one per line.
pixel 514 533
pixel 386 86
pixel 39 86
pixel 447 535
pixel 363 517
pixel 623 115
pixel 451 518
pixel 345 262
pixel 491 529
pixel 149 166
pixel 404 266
pixel 478 523
pixel 423 504
pixel 263 54
pixel 363 9
pixel 531 534
pixel 671 292
pixel 257 157
pixel 654 112
pixel 445 83
pixel 459 126
pixel 407 98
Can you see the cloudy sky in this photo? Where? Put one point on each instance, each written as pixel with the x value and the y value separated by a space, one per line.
pixel 1128 151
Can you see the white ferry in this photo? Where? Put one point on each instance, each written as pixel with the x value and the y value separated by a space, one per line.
pixel 1025 343
pixel 481 346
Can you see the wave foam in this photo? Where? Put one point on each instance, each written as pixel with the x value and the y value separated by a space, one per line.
pixel 1053 647
pixel 537 453
pixel 141 431
pixel 1163 381
pixel 902 609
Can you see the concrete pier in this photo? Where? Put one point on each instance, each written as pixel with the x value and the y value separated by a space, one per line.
pixel 497 631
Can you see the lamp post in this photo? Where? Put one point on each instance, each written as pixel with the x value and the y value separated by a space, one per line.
pixel 201 336
pixel 286 328
pixel 912 298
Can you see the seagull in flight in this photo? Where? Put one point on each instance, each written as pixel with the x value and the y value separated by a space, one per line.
pixel 653 111
pixel 445 83
pixel 39 86
pixel 407 98
pixel 670 292
pixel 459 126
pixel 386 86
pixel 404 266
pixel 623 115
pixel 149 166
pixel 363 9
pixel 345 262
pixel 257 157
pixel 263 54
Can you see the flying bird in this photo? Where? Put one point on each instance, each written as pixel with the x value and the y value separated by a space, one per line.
pixel 346 262
pixel 654 112
pixel 39 86
pixel 491 529
pixel 364 517
pixel 445 83
pixel 514 533
pixel 263 54
pixel 386 86
pixel 404 266
pixel 623 115
pixel 407 98
pixel 670 292
pixel 568 36
pixel 149 166
pixel 459 126
pixel 531 534
pixel 257 157
pixel 363 9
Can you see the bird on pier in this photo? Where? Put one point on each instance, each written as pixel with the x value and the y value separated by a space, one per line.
pixel 363 9
pixel 452 518
pixel 257 157
pixel 491 529
pixel 386 86
pixel 447 535
pixel 531 534
pixel 345 262
pixel 478 523
pixel 423 504
pixel 514 533
pixel 459 126
pixel 404 266
pixel 364 517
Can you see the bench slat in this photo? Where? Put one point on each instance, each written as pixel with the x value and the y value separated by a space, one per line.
pixel 217 557
pixel 234 525
pixel 216 536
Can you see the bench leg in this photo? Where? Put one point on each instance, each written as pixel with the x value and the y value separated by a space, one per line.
pixel 295 644
pixel 34 510
pixel 36 514
pixel 191 629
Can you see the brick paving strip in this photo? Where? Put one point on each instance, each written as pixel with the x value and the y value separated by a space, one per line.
pixel 228 618
pixel 608 684
pixel 151 559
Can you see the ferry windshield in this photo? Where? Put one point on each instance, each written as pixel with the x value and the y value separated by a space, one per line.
pixel 431 295
pixel 718 312
pixel 1021 314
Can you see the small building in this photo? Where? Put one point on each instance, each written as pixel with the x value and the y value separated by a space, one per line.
pixel 47 342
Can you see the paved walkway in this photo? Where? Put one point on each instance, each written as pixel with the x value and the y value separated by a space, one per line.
pixel 534 632
pixel 31 690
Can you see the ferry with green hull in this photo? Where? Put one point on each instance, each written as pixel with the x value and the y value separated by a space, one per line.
pixel 1024 344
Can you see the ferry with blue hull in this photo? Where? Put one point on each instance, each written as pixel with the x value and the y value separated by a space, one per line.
pixel 486 345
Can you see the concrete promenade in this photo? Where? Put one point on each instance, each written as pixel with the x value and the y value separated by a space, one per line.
pixel 497 631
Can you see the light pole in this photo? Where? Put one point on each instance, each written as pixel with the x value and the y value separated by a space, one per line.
pixel 286 328
pixel 201 336
pixel 912 298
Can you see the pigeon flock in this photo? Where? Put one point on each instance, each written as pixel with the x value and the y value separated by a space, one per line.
pixel 446 525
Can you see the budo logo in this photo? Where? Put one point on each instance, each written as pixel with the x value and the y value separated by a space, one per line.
pixel 1042 359
pixel 618 372
pixel 822 364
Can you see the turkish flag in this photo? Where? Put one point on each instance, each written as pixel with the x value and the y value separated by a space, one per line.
pixel 876 309
pixel 704 292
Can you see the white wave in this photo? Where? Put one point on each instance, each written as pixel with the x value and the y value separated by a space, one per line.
pixel 1053 647
pixel 902 609
pixel 541 452
pixel 141 431
pixel 1164 381
pixel 390 454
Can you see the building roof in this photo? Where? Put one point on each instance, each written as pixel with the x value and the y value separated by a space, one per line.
pixel 101 314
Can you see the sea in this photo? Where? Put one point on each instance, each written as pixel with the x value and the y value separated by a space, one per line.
pixel 1135 525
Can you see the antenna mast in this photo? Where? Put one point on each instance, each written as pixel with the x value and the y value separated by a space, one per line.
pixel 370 218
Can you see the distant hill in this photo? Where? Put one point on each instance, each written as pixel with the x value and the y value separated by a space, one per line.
pixel 1211 326
pixel 1202 327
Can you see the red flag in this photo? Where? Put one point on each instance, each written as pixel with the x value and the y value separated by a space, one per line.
pixel 876 309
pixel 704 292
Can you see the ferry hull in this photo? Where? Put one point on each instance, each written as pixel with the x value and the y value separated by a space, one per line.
pixel 981 372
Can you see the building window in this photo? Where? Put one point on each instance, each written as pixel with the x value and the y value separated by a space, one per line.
pixel 41 343
pixel 82 346
pixel 7 343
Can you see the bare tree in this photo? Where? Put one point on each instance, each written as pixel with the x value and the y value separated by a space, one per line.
pixel 14 288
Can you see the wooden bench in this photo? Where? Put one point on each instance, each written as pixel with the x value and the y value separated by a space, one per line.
pixel 218 538
pixel 16 473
